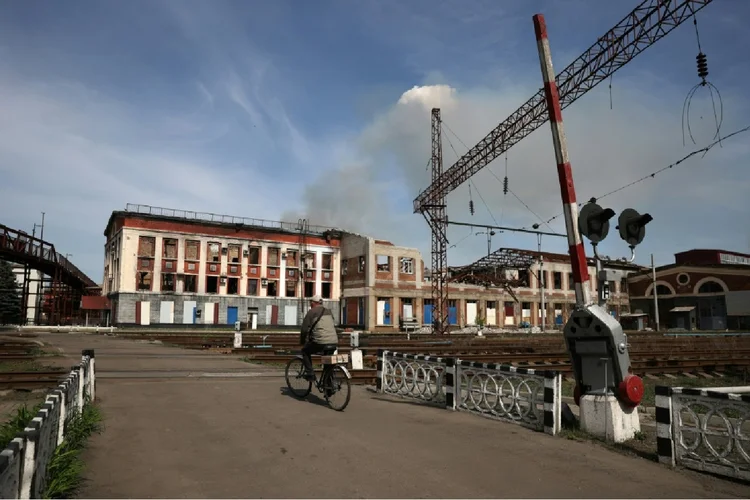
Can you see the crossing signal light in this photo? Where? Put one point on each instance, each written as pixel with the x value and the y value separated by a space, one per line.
pixel 632 226
pixel 593 221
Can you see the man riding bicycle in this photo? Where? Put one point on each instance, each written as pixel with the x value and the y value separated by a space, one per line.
pixel 317 334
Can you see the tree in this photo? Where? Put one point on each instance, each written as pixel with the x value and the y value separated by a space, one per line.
pixel 10 296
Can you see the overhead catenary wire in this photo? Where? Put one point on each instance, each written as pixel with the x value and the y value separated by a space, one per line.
pixel 653 174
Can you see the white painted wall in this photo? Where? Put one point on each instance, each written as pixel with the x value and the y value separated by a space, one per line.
pixel 290 315
pixel 166 312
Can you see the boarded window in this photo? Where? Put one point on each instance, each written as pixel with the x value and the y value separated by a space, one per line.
pixel 167 282
pixel 254 255
pixel 169 250
pixel 252 287
pixel 327 261
pixel 214 252
pixel 191 283
pixel 192 250
pixel 233 253
pixel 291 258
pixel 146 246
pixel 273 256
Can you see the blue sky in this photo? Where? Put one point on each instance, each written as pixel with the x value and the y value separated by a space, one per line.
pixel 283 109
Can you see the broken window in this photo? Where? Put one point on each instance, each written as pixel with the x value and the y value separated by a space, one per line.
pixel 253 255
pixel 384 263
pixel 213 252
pixel 233 286
pixel 169 250
pixel 191 283
pixel 273 289
pixel 327 261
pixel 557 278
pixel 344 266
pixel 234 252
pixel 291 258
pixel 523 277
pixel 192 250
pixel 273 256
pixel 326 290
pixel 291 288
pixel 407 265
pixel 252 287
pixel 309 288
pixel 146 246
pixel 361 267
pixel 212 284
pixel 167 282
pixel 143 280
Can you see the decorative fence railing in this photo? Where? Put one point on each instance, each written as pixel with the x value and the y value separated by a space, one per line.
pixel 525 396
pixel 706 429
pixel 24 462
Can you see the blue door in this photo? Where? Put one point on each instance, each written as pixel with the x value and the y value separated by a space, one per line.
pixel 428 314
pixel 195 315
pixel 231 315
pixel 387 313
pixel 452 318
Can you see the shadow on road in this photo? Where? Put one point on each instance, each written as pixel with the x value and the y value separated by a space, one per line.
pixel 310 398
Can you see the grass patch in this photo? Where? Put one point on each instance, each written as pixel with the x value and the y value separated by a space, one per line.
pixel 17 423
pixel 65 470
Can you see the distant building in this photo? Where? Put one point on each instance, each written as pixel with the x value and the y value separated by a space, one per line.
pixel 703 289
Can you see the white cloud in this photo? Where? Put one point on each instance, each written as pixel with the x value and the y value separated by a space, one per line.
pixel 608 148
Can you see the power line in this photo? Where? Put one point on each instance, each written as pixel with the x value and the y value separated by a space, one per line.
pixel 704 150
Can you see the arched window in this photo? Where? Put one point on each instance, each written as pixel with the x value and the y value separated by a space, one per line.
pixel 663 290
pixel 710 287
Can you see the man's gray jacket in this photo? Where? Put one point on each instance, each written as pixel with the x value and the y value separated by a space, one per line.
pixel 324 331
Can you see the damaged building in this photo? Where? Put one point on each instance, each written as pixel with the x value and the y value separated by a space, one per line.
pixel 166 267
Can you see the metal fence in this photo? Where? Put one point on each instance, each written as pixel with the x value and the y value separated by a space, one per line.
pixel 528 397
pixel 706 429
pixel 24 462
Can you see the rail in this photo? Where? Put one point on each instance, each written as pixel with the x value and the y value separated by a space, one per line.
pixel 526 396
pixel 704 429
pixel 24 462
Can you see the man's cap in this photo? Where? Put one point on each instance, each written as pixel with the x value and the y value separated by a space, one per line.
pixel 316 298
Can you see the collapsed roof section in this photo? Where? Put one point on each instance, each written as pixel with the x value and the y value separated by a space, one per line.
pixel 491 270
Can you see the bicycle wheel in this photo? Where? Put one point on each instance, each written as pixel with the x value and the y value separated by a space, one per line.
pixel 295 378
pixel 337 388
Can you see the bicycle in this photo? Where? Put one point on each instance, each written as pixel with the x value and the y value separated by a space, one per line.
pixel 334 379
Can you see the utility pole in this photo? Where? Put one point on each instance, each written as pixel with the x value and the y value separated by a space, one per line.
pixel 41 236
pixel 656 299
pixel 542 284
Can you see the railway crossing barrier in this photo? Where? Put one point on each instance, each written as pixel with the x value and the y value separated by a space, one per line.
pixel 531 398
pixel 705 429
pixel 24 462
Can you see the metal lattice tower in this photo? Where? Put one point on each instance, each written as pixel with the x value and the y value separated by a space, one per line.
pixel 437 220
pixel 645 25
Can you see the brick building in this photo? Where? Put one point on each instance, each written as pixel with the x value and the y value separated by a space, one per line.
pixel 168 267
pixel 383 284
pixel 703 289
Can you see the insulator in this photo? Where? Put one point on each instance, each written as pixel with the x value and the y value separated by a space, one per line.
pixel 702 65
pixel 471 207
pixel 505 185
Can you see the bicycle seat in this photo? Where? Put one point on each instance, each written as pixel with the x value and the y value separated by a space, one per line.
pixel 329 349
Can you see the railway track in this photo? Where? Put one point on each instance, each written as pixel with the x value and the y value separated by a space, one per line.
pixel 31 380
